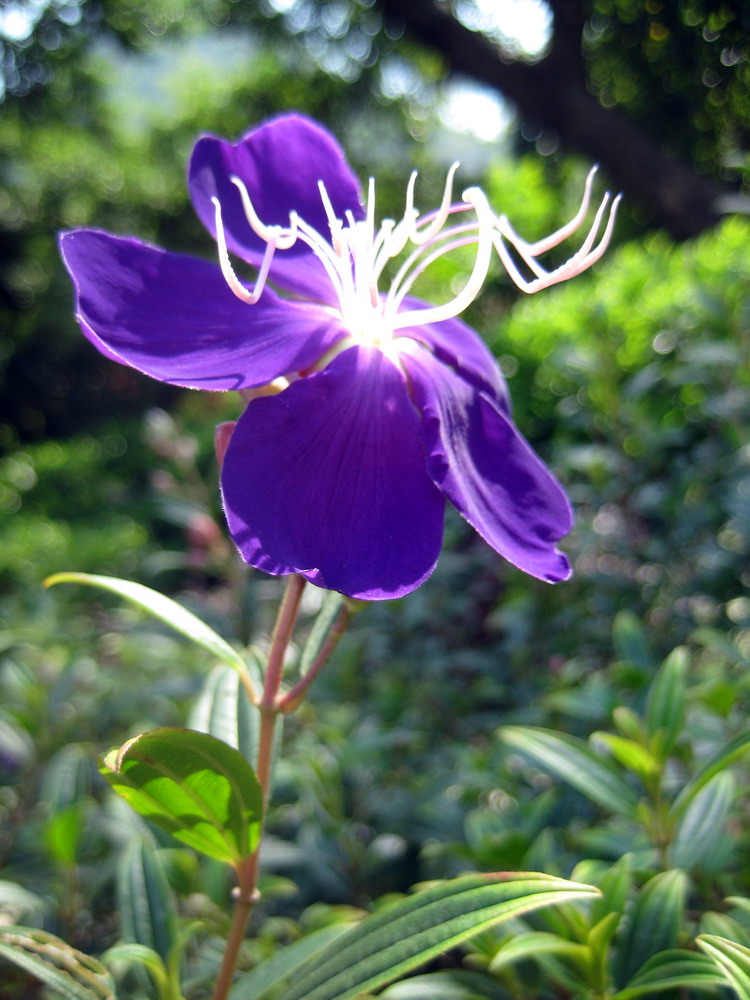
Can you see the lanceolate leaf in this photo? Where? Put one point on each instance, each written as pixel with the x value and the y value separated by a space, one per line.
pixel 449 984
pixel 575 762
pixel 161 607
pixel 723 757
pixel 654 923
pixel 533 943
pixel 125 954
pixel 68 972
pixel 284 963
pixel 630 642
pixel 671 970
pixel 318 633
pixel 725 926
pixel 733 959
pixel 703 823
pixel 224 710
pixel 615 889
pixel 147 909
pixel 665 705
pixel 192 785
pixel 633 756
pixel 397 939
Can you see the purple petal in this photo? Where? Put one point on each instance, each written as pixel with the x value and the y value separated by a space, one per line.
pixel 462 349
pixel 488 471
pixel 174 317
pixel 328 479
pixel 280 164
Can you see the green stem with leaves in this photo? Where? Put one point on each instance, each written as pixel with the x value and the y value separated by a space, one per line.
pixel 247 871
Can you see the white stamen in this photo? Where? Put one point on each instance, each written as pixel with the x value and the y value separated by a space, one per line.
pixel 420 237
pixel 370 206
pixel 226 267
pixel 354 255
pixel 582 259
pixel 554 239
pixel 477 199
pixel 335 225
pixel 284 239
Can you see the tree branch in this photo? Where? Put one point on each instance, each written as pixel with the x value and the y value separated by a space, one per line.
pixel 553 93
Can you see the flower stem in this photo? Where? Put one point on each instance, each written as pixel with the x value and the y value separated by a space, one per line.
pixel 247 871
pixel 291 700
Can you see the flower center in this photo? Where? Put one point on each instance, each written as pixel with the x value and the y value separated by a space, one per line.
pixel 354 254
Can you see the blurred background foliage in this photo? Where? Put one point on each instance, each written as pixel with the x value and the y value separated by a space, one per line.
pixel 633 382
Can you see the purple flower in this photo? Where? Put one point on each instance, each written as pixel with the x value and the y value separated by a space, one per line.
pixel 367 409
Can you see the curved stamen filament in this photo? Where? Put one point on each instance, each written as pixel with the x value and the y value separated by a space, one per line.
pixel 335 224
pixel 582 259
pixel 411 268
pixel 476 198
pixel 285 238
pixel 554 239
pixel 340 277
pixel 354 254
pixel 235 285
pixel 420 237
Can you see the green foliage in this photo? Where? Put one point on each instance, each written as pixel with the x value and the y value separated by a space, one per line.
pixel 163 608
pixel 637 50
pixel 406 934
pixel 622 696
pixel 192 785
pixel 67 971
pixel 732 958
pixel 688 828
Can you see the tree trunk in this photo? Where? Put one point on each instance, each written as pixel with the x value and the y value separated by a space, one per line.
pixel 553 94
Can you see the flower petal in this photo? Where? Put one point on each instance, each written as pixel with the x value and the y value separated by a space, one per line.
pixel 174 318
pixel 328 479
pixel 460 347
pixel 280 164
pixel 488 471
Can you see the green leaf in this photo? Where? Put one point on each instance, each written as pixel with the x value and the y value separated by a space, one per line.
pixel 62 834
pixel 733 959
pixel 224 710
pixel 715 639
pixel 161 607
pixel 192 785
pixel 615 889
pixel 630 642
pixel 654 923
pixel 401 937
pixel 665 703
pixel 723 757
pixel 450 984
pixel 628 723
pixel 600 936
pixel 703 822
pixel 722 925
pixel 528 945
pixel 68 777
pixel 319 632
pixel 574 761
pixel 15 902
pixel 147 909
pixel 671 970
pixel 129 953
pixel 284 962
pixel 633 756
pixel 64 969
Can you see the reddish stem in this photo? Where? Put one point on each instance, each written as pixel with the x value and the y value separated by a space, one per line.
pixel 247 871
